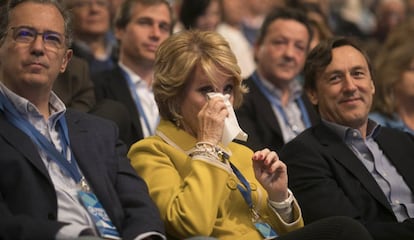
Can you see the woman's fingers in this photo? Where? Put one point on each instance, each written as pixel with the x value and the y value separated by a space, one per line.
pixel 268 161
pixel 211 120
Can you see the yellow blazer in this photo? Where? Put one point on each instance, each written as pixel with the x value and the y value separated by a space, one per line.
pixel 200 197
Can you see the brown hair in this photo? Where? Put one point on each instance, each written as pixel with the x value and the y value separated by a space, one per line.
pixel 321 56
pixel 124 14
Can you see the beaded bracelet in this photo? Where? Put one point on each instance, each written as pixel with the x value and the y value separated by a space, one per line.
pixel 209 150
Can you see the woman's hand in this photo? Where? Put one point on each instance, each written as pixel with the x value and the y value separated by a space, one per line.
pixel 271 173
pixel 211 121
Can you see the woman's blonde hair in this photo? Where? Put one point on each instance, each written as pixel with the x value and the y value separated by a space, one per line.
pixel 391 62
pixel 175 63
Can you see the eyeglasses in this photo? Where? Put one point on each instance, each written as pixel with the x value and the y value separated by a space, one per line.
pixel 89 3
pixel 27 35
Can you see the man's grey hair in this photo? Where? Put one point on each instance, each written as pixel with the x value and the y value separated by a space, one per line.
pixel 5 17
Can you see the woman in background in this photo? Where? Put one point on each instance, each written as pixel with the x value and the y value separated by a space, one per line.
pixel 393 104
pixel 204 15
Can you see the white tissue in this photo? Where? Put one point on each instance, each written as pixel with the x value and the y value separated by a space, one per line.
pixel 231 129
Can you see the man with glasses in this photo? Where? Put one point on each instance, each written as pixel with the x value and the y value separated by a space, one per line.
pixel 63 174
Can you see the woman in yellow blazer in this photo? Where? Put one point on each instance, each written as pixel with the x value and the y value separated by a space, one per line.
pixel 202 185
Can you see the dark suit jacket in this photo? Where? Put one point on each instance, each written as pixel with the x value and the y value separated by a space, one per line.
pixel 329 180
pixel 113 85
pixel 28 203
pixel 257 119
pixel 75 86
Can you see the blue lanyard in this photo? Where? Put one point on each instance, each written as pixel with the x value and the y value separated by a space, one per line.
pixel 264 228
pixel 137 101
pixel 278 106
pixel 246 191
pixel 70 167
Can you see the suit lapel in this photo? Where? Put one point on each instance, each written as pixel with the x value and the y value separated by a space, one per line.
pixel 22 143
pixel 264 106
pixel 120 87
pixel 261 102
pixel 80 137
pixel 400 154
pixel 342 154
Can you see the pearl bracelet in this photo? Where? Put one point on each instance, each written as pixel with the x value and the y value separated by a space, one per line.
pixel 207 149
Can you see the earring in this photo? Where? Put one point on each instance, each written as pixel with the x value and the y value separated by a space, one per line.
pixel 177 122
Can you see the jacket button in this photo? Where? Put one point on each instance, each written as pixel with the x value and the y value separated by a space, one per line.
pixel 232 184
pixel 51 216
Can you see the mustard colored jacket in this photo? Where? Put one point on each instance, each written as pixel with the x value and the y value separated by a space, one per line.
pixel 198 197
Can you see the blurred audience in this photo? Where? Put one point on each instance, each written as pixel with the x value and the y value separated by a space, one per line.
pixel 410 7
pixel 204 15
pixel 113 7
pixel 389 14
pixel 253 19
pixel 275 110
pixel 320 10
pixel 393 101
pixel 323 5
pixel 317 19
pixel 230 28
pixel 321 32
pixel 3 4
pixel 93 41
pixel 176 7
pixel 354 18
pixel 75 87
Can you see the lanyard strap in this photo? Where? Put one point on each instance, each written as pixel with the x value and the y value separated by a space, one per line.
pixel 70 167
pixel 276 103
pixel 137 101
pixel 246 191
pixel 264 228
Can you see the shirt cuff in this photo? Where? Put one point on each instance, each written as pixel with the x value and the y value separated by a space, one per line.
pixel 283 204
pixel 284 208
